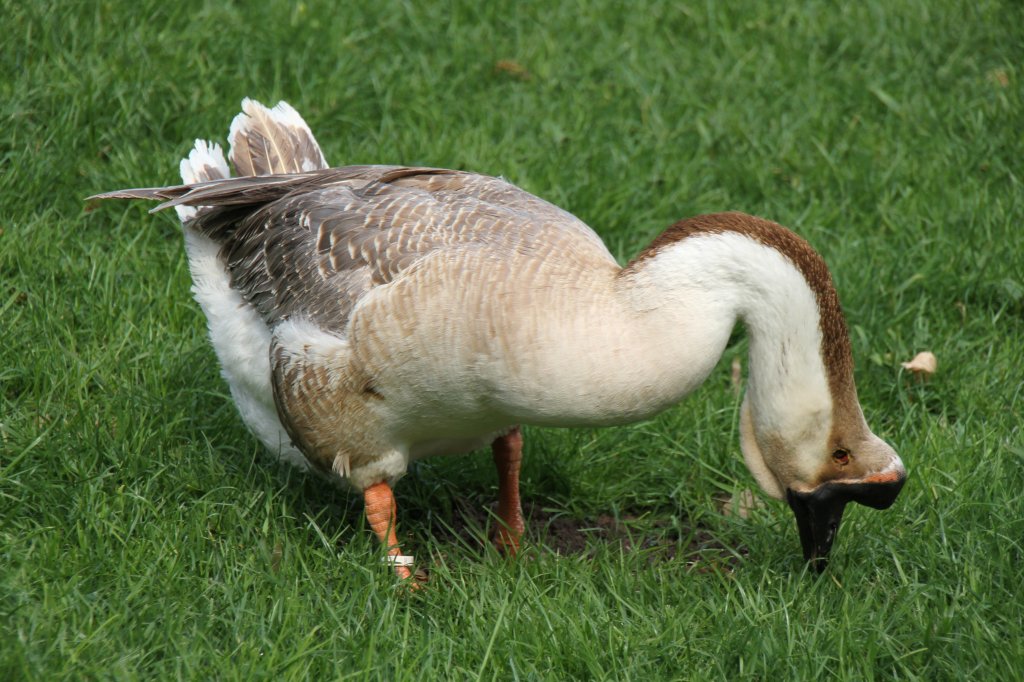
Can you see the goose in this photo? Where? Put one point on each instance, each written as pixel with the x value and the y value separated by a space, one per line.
pixel 368 316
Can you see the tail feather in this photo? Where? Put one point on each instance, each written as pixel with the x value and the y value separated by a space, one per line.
pixel 153 193
pixel 267 141
pixel 264 142
pixel 204 163
pixel 239 191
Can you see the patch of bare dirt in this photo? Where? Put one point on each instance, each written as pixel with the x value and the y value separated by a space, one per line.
pixel 660 539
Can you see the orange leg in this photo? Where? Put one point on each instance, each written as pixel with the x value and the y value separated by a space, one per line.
pixel 382 515
pixel 507 456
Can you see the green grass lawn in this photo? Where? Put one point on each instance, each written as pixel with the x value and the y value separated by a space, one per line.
pixel 145 535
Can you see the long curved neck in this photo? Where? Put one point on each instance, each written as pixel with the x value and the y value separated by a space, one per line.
pixel 654 335
pixel 691 290
pixel 682 296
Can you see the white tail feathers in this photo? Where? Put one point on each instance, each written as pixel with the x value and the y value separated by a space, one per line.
pixel 262 141
pixel 205 162
pixel 266 141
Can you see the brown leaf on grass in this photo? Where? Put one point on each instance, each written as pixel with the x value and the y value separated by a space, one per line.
pixel 923 364
pixel 741 503
pixel 512 68
pixel 999 77
pixel 736 375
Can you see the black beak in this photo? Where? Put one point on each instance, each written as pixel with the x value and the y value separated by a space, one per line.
pixel 819 512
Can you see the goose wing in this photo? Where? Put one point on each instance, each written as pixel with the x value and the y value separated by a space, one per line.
pixel 312 244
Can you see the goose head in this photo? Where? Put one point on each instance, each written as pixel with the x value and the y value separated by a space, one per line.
pixel 802 430
pixel 819 464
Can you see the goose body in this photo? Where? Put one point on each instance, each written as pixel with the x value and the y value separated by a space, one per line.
pixel 366 316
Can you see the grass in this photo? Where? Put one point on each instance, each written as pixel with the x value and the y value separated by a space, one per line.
pixel 143 533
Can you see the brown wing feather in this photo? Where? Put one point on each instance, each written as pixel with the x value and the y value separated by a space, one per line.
pixel 313 244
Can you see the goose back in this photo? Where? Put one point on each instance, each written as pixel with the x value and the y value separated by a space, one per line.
pixel 313 244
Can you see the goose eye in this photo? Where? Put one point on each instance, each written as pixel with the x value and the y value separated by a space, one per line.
pixel 841 456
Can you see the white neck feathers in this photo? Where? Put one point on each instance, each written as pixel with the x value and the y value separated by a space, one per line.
pixel 645 336
pixel 696 288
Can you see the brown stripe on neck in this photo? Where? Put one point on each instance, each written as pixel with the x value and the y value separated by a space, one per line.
pixel 835 339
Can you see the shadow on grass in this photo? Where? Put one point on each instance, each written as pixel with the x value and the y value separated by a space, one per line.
pixel 452 518
pixel 447 506
pixel 651 534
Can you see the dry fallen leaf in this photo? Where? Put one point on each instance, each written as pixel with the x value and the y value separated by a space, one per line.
pixel 741 503
pixel 512 68
pixel 736 378
pixel 924 363
pixel 999 77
